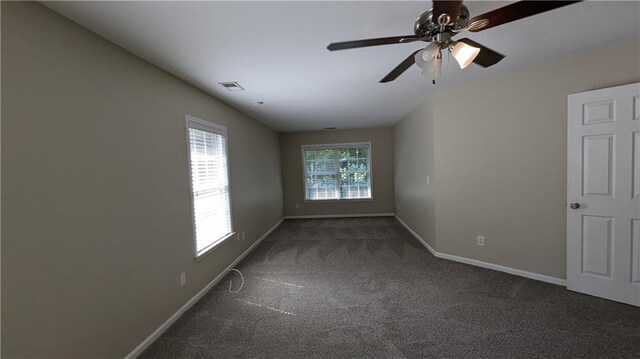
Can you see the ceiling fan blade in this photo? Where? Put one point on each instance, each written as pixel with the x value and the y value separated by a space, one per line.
pixel 486 57
pixel 404 65
pixel 371 42
pixel 444 6
pixel 513 12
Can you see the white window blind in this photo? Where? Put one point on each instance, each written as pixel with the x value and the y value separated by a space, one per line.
pixel 341 171
pixel 209 184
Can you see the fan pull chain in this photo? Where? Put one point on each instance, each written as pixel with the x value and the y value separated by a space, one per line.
pixel 231 282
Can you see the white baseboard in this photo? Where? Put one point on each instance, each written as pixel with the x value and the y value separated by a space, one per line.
pixel 162 328
pixel 510 270
pixel 477 263
pixel 341 215
pixel 424 243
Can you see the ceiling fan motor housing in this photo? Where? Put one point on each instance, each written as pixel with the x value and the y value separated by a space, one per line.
pixel 426 27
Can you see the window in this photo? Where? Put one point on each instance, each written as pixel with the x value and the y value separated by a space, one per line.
pixel 209 184
pixel 335 172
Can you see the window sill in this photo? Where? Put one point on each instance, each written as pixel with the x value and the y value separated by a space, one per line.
pixel 213 246
pixel 370 199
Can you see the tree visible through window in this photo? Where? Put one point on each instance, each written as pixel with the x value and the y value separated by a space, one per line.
pixel 340 171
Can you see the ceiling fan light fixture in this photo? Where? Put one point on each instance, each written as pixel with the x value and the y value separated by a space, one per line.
pixel 426 55
pixel 464 54
pixel 421 62
pixel 430 51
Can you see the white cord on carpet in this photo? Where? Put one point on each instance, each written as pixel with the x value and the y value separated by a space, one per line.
pixel 231 282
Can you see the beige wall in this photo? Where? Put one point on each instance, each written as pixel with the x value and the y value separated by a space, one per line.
pixel 413 172
pixel 95 192
pixel 381 167
pixel 500 158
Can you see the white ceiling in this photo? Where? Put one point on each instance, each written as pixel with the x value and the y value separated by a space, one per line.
pixel 277 51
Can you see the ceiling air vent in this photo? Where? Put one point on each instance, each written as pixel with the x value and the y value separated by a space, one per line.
pixel 232 86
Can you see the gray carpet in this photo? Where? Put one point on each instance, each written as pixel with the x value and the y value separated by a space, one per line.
pixel 365 288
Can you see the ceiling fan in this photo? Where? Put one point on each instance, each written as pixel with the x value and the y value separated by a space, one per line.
pixel 440 24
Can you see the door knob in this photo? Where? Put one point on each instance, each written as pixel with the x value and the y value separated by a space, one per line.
pixel 574 205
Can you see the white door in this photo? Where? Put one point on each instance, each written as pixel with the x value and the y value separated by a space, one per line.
pixel 603 193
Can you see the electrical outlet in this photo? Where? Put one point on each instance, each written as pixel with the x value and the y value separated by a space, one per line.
pixel 183 279
pixel 481 241
pixel 243 236
pixel 427 179
pixel 297 205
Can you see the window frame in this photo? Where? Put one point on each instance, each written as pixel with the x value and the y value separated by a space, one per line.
pixel 336 159
pixel 194 122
